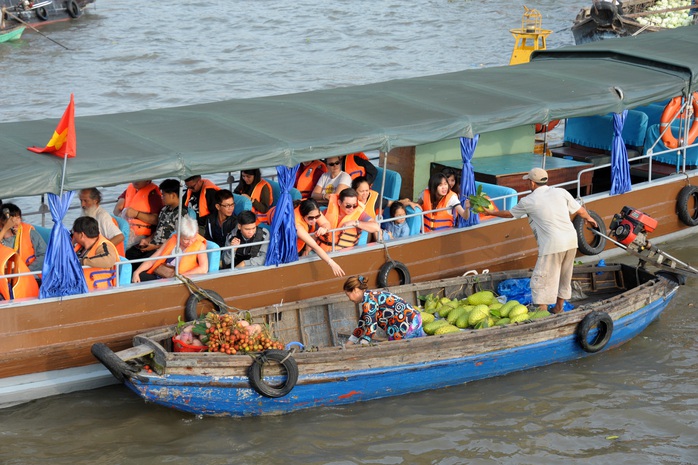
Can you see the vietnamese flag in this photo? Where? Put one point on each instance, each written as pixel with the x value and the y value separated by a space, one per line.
pixel 63 143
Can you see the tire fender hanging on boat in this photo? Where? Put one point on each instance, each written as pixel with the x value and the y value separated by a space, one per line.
pixel 688 214
pixel 191 308
pixel 262 386
pixel 598 243
pixel 73 8
pixel 41 13
pixel 603 323
pixel 389 266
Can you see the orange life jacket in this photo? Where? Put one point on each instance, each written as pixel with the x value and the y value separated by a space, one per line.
pixel 351 167
pixel 23 243
pixel 343 239
pixel 138 200
pixel 437 220
pixel 257 195
pixel 99 278
pixel 187 262
pixel 20 286
pixel 307 177
pixel 302 224
pixel 203 204
pixel 370 205
pixel 120 245
pixel 485 216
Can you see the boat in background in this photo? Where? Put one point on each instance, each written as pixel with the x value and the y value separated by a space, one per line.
pixel 606 19
pixel 42 12
pixel 616 303
pixel 413 123
pixel 13 33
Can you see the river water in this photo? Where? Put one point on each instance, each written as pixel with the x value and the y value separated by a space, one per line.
pixel 634 405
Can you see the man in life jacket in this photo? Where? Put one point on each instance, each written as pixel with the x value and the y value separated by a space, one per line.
pixel 140 204
pixel 22 237
pixel 20 286
pixel 343 211
pixel 308 175
pixel 221 222
pixel 90 201
pixel 357 164
pixel 95 252
pixel 201 197
pixel 246 232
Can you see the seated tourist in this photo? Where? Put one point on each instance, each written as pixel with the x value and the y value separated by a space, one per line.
pixel 439 196
pixel 397 226
pixel 219 223
pixel 358 164
pixel 343 211
pixel 332 182
pixel 90 202
pixel 259 192
pixel 310 220
pixel 201 195
pixel 22 237
pixel 307 176
pixel 95 252
pixel 246 232
pixel 18 287
pixel 166 225
pixel 452 178
pixel 140 204
pixel 190 241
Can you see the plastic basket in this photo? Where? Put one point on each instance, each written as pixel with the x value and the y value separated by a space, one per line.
pixel 180 346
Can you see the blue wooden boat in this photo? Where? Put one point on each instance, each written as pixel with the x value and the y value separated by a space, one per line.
pixel 618 302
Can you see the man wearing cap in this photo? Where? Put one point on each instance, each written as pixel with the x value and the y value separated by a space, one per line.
pixel 549 209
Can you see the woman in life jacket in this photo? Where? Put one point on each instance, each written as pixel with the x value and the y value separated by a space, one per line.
pixel 258 191
pixel 439 196
pixel 310 220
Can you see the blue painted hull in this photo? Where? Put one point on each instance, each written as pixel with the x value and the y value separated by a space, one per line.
pixel 232 396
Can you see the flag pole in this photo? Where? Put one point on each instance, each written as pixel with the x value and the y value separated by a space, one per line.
pixel 65 166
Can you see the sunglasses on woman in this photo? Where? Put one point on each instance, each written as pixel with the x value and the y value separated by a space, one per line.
pixel 334 163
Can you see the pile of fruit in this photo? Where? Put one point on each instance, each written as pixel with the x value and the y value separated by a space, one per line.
pixel 478 310
pixel 479 202
pixel 668 19
pixel 228 334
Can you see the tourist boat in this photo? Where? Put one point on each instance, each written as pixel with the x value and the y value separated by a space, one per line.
pixel 42 12
pixel 611 19
pixel 12 33
pixel 619 302
pixel 45 344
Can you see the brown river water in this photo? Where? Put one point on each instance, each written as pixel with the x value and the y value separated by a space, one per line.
pixel 637 404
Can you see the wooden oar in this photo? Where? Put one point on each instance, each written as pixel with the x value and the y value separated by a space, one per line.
pixel 17 18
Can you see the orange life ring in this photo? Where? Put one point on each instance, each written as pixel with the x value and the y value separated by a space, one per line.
pixel 546 127
pixel 670 111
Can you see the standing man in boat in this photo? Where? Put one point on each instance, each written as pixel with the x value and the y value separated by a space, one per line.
pixel 22 237
pixel 201 197
pixel 549 209
pixel 381 309
pixel 140 204
pixel 90 201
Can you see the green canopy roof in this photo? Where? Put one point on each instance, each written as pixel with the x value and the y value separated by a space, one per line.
pixel 597 78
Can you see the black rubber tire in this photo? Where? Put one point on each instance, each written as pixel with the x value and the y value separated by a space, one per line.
pixel 684 198
pixel 41 13
pixel 598 243
pixel 387 267
pixel 191 312
pixel 600 320
pixel 117 367
pixel 673 277
pixel 73 8
pixel 265 389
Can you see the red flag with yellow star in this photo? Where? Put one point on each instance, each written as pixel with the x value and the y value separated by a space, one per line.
pixel 63 143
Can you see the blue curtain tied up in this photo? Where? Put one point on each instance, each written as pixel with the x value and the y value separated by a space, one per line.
pixel 620 169
pixel 282 243
pixel 467 179
pixel 62 273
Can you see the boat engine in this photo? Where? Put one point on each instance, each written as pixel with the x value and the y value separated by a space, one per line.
pixel 630 227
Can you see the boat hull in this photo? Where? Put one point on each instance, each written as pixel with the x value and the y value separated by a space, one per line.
pixel 498 353
pixel 12 34
pixel 52 12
